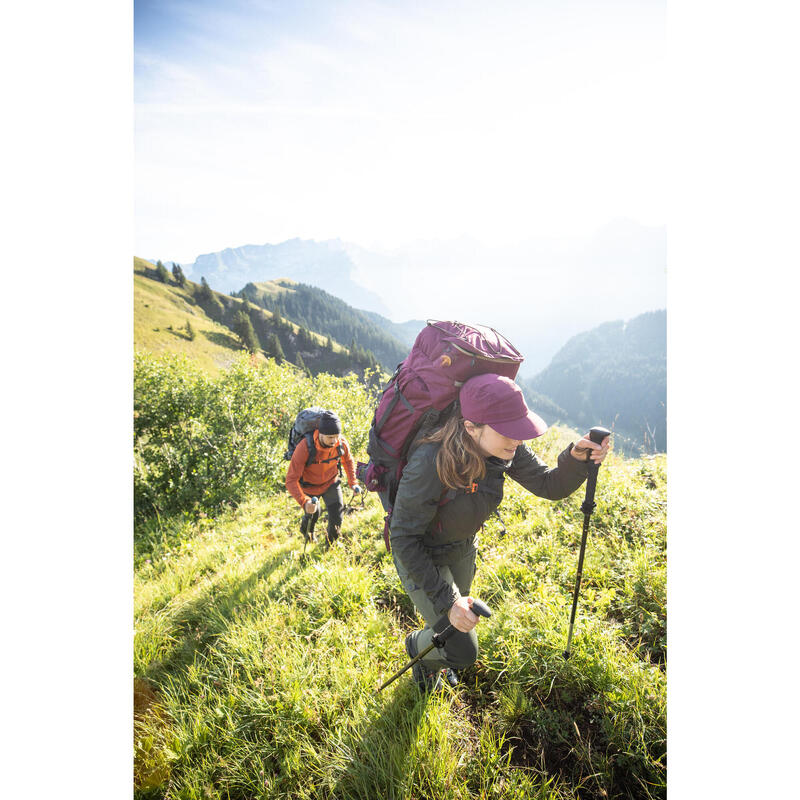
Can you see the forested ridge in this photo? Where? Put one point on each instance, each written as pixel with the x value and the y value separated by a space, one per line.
pixel 320 311
pixel 614 374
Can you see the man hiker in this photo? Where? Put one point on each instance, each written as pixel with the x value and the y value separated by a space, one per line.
pixel 318 474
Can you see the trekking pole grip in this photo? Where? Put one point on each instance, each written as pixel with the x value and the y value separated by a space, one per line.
pixel 596 434
pixel 478 607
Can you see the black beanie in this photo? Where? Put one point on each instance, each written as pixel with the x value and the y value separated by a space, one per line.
pixel 329 424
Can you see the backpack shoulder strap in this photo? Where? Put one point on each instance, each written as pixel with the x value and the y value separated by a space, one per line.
pixel 312 448
pixel 312 453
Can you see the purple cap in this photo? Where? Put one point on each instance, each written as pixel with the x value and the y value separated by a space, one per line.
pixel 497 401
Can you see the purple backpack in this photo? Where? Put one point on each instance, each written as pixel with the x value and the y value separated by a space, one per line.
pixel 422 394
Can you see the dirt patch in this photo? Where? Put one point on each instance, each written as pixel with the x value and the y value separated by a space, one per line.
pixel 150 766
pixel 144 698
pixel 400 608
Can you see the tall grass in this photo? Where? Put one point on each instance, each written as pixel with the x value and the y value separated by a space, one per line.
pixel 257 667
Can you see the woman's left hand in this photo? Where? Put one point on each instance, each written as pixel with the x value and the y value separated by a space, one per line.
pixel 597 451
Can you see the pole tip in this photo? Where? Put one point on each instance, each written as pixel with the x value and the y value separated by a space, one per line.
pixel 566 655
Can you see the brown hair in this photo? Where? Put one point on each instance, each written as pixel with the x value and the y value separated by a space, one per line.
pixel 459 461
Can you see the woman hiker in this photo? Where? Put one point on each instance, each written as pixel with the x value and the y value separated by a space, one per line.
pixel 321 477
pixel 452 483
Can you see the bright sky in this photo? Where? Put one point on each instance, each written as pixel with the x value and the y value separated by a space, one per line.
pixel 388 122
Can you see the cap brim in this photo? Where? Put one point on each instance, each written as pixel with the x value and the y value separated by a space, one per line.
pixel 524 428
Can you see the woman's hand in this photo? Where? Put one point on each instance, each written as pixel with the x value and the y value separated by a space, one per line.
pixel 586 445
pixel 461 618
pixel 309 507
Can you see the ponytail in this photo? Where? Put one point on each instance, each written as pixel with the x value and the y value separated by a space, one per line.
pixel 459 461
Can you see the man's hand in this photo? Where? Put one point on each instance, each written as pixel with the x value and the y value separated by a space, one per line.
pixel 461 618
pixel 310 508
pixel 356 489
pixel 598 451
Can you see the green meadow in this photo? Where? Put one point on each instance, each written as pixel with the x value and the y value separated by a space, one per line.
pixel 257 664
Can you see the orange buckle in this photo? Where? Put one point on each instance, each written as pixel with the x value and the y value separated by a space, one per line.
pixel 473 488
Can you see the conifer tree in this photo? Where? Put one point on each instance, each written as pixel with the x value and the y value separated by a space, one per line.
pixel 329 344
pixel 190 331
pixel 177 272
pixel 302 365
pixel 274 349
pixel 161 272
pixel 211 303
pixel 243 328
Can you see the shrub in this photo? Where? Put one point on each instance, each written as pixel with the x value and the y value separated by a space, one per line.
pixel 201 443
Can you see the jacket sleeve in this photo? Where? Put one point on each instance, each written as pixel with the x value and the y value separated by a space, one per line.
pixel 349 463
pixel 554 483
pixel 296 468
pixel 416 504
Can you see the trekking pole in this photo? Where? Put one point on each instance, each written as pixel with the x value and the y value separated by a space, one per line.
pixel 478 607
pixel 596 435
pixel 350 507
pixel 307 536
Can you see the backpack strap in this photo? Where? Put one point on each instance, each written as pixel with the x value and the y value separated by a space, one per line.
pixel 312 454
pixel 312 448
pixel 377 424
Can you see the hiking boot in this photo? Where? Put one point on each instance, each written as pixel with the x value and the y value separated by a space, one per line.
pixel 451 676
pixel 427 680
pixel 333 533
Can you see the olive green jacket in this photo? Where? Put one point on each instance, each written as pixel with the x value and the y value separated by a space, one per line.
pixel 432 526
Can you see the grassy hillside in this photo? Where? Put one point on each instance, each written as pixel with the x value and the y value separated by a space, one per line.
pixel 256 668
pixel 160 314
pixel 161 311
pixel 269 290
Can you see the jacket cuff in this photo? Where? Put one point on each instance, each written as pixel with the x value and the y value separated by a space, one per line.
pixel 566 459
pixel 445 599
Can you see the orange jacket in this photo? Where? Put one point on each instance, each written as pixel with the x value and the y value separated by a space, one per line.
pixel 317 477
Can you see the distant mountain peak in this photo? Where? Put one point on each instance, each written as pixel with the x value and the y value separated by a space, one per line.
pixel 326 265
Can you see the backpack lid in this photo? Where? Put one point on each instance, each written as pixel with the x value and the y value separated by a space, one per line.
pixel 478 340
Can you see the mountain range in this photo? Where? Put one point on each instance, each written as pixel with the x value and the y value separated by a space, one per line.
pixel 613 374
pixel 326 265
pixel 538 293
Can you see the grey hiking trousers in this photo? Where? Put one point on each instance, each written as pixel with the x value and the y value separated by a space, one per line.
pixel 334 504
pixel 461 649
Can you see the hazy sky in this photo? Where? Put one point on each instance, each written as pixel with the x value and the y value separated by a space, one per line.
pixel 388 122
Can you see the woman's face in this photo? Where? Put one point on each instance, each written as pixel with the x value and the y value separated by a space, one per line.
pixel 329 440
pixel 492 443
